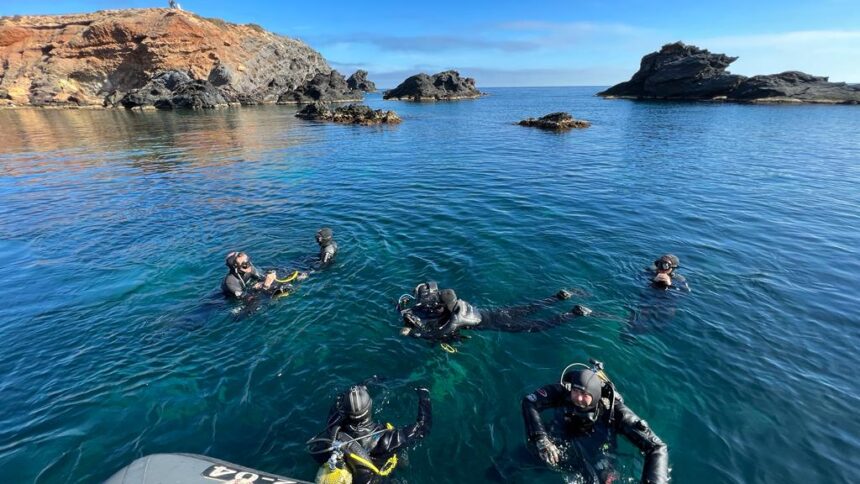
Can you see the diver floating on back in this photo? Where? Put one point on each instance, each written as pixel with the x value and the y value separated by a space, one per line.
pixel 439 315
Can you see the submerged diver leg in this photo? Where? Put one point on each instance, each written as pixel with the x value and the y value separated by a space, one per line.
pixel 533 307
pixel 504 321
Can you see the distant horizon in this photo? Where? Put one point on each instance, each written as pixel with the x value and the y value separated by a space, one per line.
pixel 554 44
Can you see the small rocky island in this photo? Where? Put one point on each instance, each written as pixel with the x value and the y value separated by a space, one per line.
pixel 555 122
pixel 352 114
pixel 686 72
pixel 444 86
pixel 359 81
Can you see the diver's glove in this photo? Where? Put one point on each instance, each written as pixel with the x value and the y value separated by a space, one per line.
pixel 548 451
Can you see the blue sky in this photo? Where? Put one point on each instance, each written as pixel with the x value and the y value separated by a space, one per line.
pixel 540 43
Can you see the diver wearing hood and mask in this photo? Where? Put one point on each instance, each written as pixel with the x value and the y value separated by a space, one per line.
pixel 352 443
pixel 589 415
pixel 440 315
pixel 328 247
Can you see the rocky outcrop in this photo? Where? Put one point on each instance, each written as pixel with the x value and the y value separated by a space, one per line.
pixel 358 81
pixel 794 86
pixel 555 122
pixel 444 86
pixel 329 87
pixel 352 114
pixel 686 72
pixel 96 58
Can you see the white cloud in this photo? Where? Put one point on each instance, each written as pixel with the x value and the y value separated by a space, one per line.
pixel 832 53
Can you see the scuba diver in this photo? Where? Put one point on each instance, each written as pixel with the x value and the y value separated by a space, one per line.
pixel 244 280
pixel 657 303
pixel 440 315
pixel 354 448
pixel 589 414
pixel 328 247
pixel 664 274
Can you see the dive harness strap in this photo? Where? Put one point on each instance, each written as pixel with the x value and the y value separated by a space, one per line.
pixel 387 468
pixel 291 278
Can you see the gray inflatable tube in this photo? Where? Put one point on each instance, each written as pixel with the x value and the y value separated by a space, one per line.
pixel 192 469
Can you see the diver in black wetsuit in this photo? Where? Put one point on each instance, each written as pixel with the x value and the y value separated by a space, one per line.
pixel 353 442
pixel 244 280
pixel 440 315
pixel 589 414
pixel 657 303
pixel 328 247
pixel 665 276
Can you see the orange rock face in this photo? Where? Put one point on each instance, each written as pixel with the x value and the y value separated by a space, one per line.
pixel 78 60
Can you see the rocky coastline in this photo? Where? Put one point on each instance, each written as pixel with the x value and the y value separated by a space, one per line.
pixel 685 72
pixel 443 86
pixel 158 58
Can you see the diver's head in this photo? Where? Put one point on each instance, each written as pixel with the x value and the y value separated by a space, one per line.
pixel 449 298
pixel 585 388
pixel 666 264
pixel 662 280
pixel 357 404
pixel 425 290
pixel 238 261
pixel 324 236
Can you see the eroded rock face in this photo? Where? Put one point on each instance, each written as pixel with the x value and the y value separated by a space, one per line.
pixel 352 114
pixel 84 59
pixel 444 86
pixel 794 86
pixel 329 87
pixel 358 81
pixel 680 71
pixel 555 122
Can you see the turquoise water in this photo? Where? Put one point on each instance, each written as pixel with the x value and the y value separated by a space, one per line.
pixel 116 344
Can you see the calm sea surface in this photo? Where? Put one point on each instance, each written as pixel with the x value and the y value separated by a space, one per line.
pixel 116 342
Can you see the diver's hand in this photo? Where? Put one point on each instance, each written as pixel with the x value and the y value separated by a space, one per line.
pixel 270 278
pixel 548 451
pixel 302 276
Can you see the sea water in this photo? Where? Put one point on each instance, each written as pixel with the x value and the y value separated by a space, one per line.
pixel 116 342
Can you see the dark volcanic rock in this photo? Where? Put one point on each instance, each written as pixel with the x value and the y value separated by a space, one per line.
pixel 555 122
pixel 330 87
pixel 793 86
pixel 443 86
pixel 193 95
pixel 158 89
pixel 352 114
pixel 681 71
pixel 172 90
pixel 358 81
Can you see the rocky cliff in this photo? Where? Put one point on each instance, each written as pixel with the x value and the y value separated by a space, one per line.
pixel 99 58
pixel 679 71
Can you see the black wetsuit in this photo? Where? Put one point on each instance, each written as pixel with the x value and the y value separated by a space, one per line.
pixel 437 323
pixel 327 253
pixel 376 448
pixel 590 445
pixel 236 284
pixel 656 309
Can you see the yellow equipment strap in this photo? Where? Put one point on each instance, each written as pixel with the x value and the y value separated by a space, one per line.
pixel 289 279
pixel 388 468
pixel 448 348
